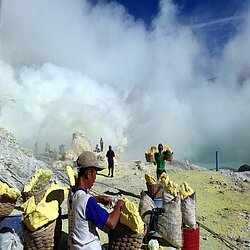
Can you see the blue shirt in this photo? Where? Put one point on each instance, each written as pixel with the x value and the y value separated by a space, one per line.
pixel 95 213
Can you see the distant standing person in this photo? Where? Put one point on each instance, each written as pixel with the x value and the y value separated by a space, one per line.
pixel 101 144
pixel 160 161
pixel 110 155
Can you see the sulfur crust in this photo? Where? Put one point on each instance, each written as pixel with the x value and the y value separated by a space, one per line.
pixel 71 175
pixel 12 193
pixel 36 216
pixel 40 176
pixel 185 190
pixel 131 217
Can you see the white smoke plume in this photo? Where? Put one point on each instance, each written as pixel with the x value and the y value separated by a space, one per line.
pixel 70 65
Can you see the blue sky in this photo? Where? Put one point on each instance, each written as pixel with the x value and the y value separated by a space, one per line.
pixel 213 21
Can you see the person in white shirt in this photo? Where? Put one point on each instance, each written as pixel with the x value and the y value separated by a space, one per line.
pixel 87 213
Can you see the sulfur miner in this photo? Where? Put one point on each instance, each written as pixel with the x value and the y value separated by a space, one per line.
pixel 86 211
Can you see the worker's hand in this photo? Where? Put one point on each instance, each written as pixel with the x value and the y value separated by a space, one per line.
pixel 105 200
pixel 120 204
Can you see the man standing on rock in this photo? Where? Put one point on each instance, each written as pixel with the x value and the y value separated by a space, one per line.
pixel 110 155
pixel 87 213
pixel 101 144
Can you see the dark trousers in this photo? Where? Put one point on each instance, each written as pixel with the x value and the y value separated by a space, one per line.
pixel 111 168
pixel 159 172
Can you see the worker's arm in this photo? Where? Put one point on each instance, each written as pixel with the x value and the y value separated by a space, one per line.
pixel 104 199
pixel 114 216
pixel 155 158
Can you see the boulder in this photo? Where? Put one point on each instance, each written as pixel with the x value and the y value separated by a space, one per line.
pixel 244 168
pixel 80 142
pixel 17 165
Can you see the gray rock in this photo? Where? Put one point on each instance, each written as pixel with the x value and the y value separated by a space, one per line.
pixel 18 165
pixel 244 168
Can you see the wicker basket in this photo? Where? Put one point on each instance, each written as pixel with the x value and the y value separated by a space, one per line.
pixel 43 238
pixel 169 157
pixel 149 157
pixel 155 190
pixel 38 196
pixel 124 238
pixel 7 205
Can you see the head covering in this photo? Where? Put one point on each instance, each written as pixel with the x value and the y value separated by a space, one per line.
pixel 88 159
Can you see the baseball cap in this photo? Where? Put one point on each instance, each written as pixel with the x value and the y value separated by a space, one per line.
pixel 88 159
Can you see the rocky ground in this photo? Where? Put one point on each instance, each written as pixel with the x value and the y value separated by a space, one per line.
pixel 223 200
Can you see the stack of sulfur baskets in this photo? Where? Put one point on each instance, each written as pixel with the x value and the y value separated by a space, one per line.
pixel 41 220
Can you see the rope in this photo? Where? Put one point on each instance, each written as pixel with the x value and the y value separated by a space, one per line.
pixel 228 244
pixel 121 191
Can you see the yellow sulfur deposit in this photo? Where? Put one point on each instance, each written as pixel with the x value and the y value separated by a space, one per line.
pixel 167 148
pixel 55 192
pixel 36 216
pixel 151 150
pixel 71 175
pixel 29 205
pixel 185 190
pixel 164 178
pixel 171 188
pixel 42 214
pixel 12 193
pixel 131 217
pixel 39 181
pixel 150 179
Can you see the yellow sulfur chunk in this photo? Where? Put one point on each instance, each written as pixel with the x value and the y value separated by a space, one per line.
pixel 41 215
pixel 55 192
pixel 131 218
pixel 153 149
pixel 3 188
pixel 171 188
pixel 71 175
pixel 39 181
pixel 150 179
pixel 185 190
pixel 12 193
pixel 47 210
pixel 29 205
pixel 167 148
pixel 26 188
pixel 164 178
